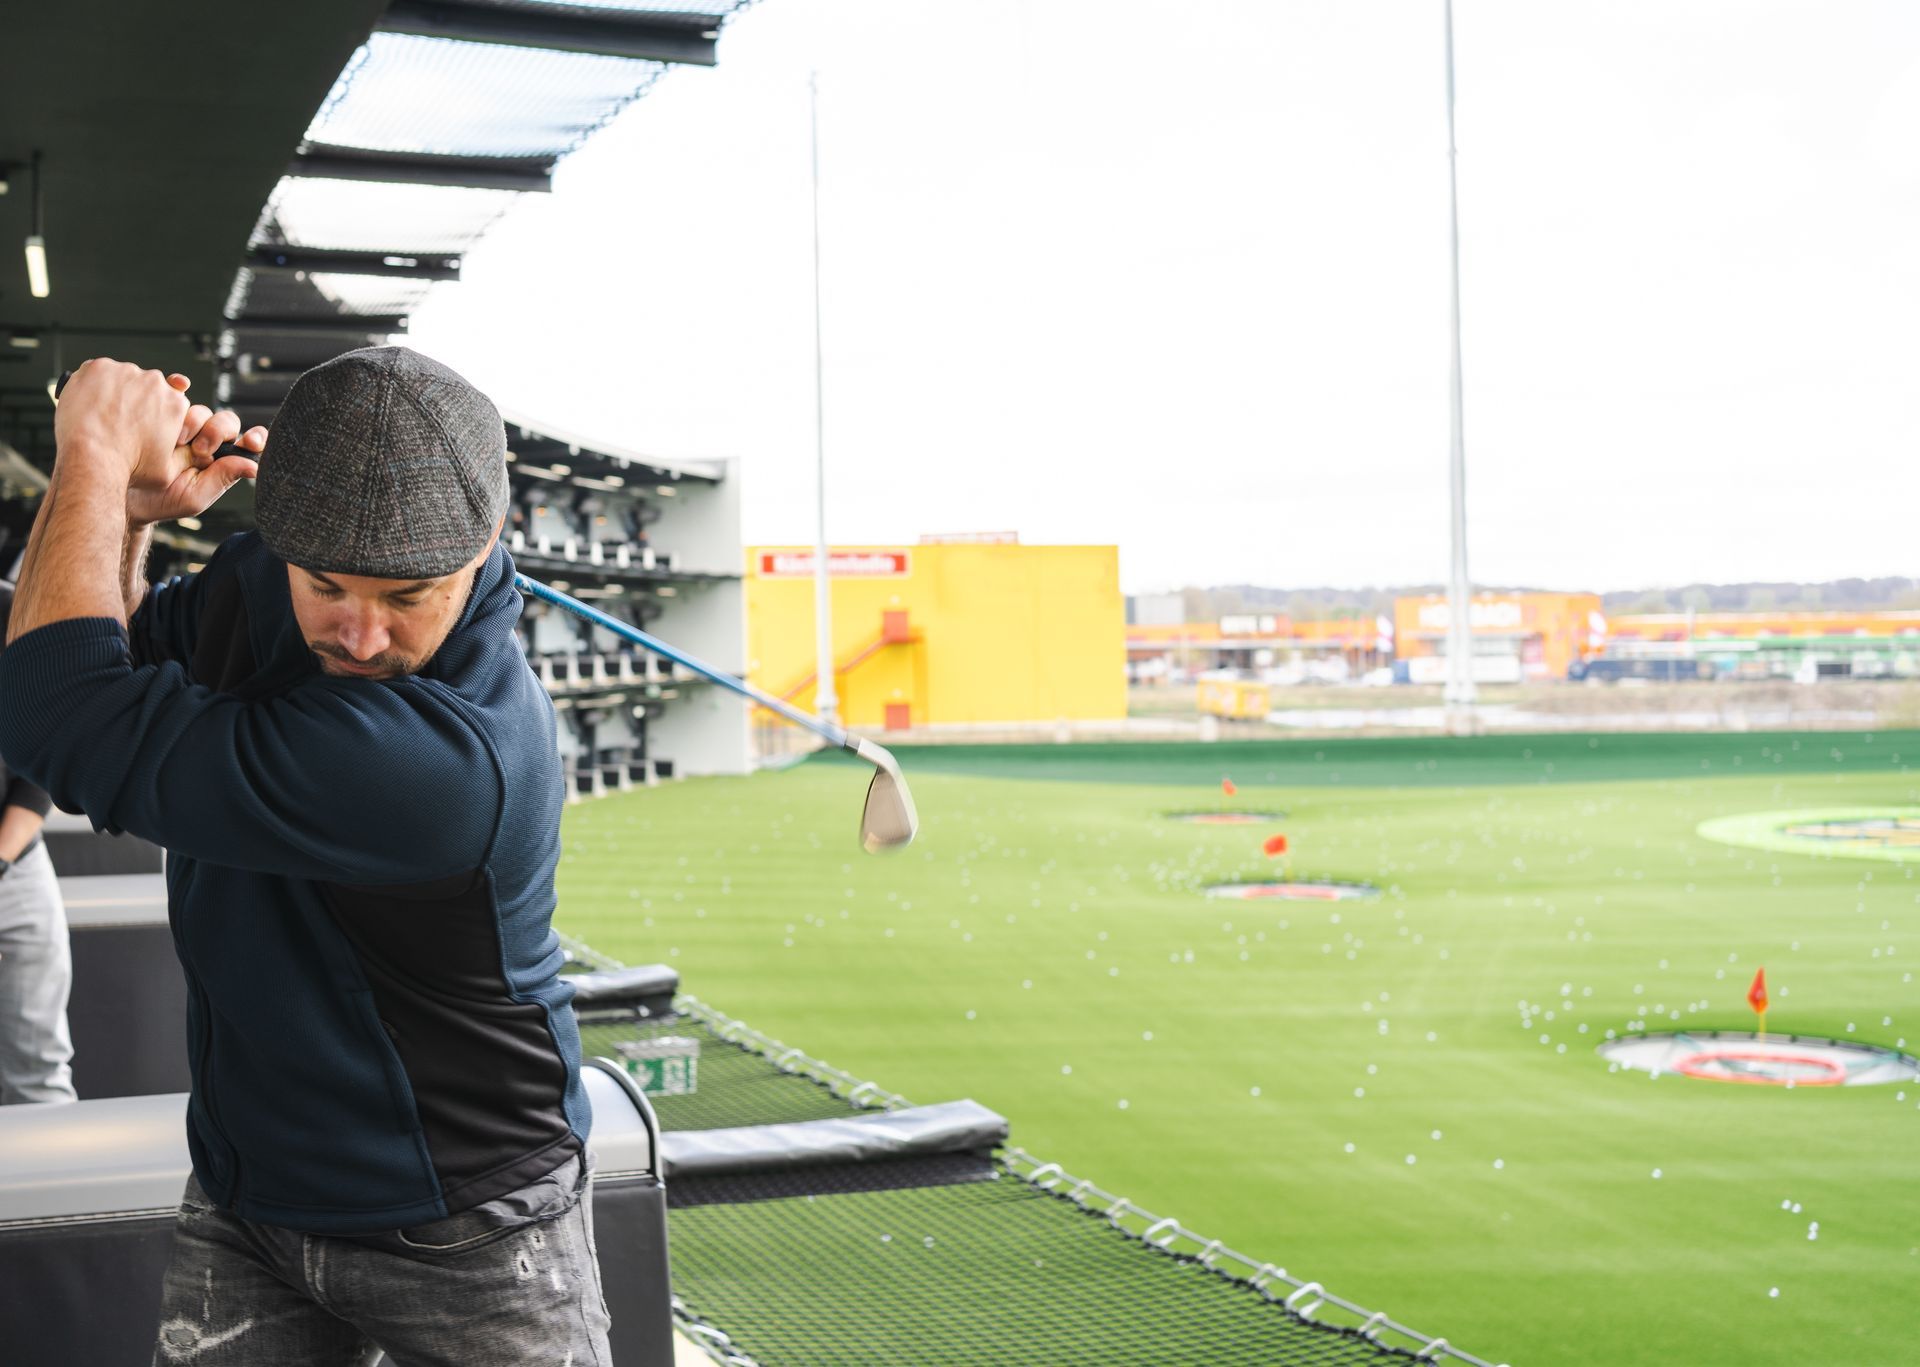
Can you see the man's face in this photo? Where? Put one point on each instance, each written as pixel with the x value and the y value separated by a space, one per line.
pixel 361 627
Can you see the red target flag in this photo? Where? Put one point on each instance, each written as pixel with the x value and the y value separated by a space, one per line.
pixel 1757 994
pixel 1276 845
pixel 1226 786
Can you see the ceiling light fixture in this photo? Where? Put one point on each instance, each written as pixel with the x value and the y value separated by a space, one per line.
pixel 37 243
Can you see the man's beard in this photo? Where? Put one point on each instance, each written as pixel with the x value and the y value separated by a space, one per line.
pixel 383 666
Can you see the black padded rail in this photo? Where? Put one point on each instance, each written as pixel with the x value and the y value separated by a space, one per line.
pixel 875 1136
pixel 645 988
pixel 831 1179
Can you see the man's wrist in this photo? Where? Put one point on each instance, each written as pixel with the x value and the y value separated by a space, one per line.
pixel 94 461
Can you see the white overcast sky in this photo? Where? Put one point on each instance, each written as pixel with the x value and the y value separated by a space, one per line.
pixel 1173 276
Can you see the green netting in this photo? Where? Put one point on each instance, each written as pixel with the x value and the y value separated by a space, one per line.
pixel 942 1259
pixel 994 1271
pixel 736 1085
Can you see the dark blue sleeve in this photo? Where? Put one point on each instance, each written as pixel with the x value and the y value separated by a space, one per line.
pixel 168 621
pixel 339 779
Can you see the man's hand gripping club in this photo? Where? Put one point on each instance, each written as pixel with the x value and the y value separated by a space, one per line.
pixel 132 451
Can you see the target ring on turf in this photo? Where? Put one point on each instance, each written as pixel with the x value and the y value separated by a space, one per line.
pixel 1240 817
pixel 1891 833
pixel 1293 891
pixel 1762 1060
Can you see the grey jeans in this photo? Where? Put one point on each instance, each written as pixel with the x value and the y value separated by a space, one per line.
pixel 510 1283
pixel 36 972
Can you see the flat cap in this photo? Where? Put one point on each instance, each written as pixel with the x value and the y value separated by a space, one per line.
pixel 382 462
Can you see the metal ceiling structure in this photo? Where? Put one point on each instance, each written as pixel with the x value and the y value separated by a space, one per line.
pixel 161 131
pixel 240 193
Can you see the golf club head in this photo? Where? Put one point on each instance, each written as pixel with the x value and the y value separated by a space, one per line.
pixel 888 821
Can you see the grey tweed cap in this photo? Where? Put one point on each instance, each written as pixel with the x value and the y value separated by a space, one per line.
pixel 382 462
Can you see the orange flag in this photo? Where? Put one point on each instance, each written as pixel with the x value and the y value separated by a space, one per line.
pixel 1226 786
pixel 1757 994
pixel 1276 845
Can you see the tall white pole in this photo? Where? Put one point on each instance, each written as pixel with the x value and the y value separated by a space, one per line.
pixel 826 701
pixel 1459 690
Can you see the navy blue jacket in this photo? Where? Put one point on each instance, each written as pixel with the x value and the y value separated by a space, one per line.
pixel 359 879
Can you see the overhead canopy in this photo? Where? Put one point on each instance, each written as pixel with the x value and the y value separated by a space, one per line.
pixel 449 112
pixel 240 191
pixel 162 130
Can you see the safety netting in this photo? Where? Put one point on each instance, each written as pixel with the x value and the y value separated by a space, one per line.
pixel 968 1272
pixel 976 1255
pixel 735 1084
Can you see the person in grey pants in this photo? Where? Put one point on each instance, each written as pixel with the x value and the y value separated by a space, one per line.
pixel 36 967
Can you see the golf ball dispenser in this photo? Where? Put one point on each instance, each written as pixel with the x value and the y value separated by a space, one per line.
pixel 655 543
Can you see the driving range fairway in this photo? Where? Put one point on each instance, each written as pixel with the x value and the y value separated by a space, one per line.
pixel 1399 1097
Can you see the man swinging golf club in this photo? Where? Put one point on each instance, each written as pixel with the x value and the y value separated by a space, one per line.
pixel 335 735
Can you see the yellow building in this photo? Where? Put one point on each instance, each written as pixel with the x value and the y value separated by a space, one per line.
pixel 945 633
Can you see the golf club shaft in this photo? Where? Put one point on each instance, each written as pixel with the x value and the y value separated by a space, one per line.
pixel 832 734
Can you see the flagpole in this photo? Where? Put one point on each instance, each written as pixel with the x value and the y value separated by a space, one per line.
pixel 826 699
pixel 1460 692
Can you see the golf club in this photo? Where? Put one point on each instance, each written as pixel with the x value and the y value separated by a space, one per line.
pixel 888 820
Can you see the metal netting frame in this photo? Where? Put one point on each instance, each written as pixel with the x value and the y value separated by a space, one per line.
pixel 1156 1234
pixel 579 951
pixel 709 1338
pixel 1168 1236
pixel 859 1092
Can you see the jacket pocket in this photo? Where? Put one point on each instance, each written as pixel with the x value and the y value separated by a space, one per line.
pixel 385 1044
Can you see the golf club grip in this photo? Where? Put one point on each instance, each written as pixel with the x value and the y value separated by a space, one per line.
pixel 832 734
pixel 226 448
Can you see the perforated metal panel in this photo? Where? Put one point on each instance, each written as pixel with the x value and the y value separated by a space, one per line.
pixel 408 93
pixel 372 216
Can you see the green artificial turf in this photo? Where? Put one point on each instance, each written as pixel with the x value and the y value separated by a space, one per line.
pixel 1045 949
